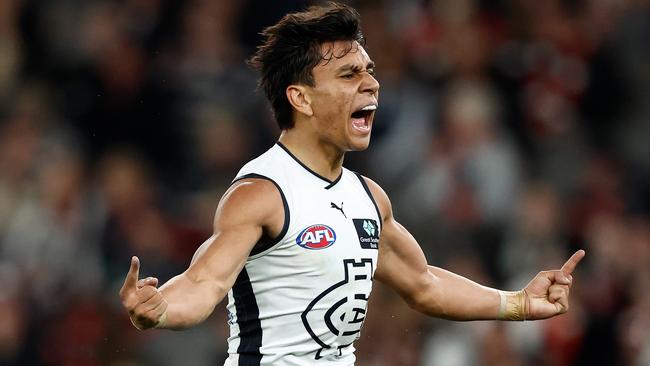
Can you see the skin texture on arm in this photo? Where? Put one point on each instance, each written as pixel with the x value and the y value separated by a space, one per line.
pixel 427 289
pixel 250 208
pixel 437 292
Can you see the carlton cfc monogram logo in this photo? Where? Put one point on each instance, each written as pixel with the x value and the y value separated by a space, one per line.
pixel 316 237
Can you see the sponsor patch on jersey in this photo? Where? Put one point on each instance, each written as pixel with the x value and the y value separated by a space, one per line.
pixel 316 237
pixel 368 232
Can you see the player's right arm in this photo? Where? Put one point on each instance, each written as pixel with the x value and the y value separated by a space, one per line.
pixel 247 210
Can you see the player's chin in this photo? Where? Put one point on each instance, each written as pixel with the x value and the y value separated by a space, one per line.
pixel 359 143
pixel 359 139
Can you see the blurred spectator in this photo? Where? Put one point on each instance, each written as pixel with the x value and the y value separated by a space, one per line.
pixel 13 314
pixel 472 169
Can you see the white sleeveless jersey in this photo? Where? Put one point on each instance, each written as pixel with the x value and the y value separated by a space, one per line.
pixel 301 298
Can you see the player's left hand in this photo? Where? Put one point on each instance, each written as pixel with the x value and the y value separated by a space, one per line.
pixel 547 294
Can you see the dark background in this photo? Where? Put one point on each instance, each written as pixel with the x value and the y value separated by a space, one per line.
pixel 510 133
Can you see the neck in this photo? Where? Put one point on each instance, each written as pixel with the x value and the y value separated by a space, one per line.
pixel 321 157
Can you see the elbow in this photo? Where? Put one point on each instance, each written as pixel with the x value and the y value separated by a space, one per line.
pixel 415 300
pixel 207 293
pixel 426 300
pixel 216 288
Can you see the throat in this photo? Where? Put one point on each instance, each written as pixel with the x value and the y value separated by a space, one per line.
pixel 320 160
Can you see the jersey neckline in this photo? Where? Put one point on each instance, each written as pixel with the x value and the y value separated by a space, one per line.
pixel 331 183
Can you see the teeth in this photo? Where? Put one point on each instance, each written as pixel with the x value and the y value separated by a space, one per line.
pixel 371 107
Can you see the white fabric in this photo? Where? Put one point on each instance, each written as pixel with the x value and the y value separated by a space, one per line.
pixel 297 288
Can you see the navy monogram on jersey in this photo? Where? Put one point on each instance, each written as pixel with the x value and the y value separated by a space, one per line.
pixel 301 298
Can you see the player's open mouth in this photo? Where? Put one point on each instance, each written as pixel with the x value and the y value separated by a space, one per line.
pixel 362 118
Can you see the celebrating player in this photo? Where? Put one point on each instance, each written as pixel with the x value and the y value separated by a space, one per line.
pixel 298 239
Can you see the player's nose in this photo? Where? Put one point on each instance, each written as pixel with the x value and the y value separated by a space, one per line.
pixel 369 84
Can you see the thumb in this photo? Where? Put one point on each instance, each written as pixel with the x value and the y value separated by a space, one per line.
pixel 562 278
pixel 539 285
pixel 149 281
pixel 552 277
pixel 132 277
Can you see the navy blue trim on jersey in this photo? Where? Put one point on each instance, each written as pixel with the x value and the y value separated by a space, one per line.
pixel 365 186
pixel 267 242
pixel 331 184
pixel 335 181
pixel 248 319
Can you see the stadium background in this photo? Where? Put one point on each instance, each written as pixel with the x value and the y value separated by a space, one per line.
pixel 510 133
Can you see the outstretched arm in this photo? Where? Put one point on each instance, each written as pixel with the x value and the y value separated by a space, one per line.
pixel 440 293
pixel 247 210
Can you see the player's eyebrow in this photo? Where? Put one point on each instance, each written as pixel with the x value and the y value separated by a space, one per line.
pixel 355 67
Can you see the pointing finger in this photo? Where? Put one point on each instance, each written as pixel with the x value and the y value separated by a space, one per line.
pixel 571 264
pixel 131 279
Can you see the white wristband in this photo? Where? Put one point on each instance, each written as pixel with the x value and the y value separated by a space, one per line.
pixel 502 305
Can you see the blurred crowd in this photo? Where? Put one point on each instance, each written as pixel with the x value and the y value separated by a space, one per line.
pixel 510 133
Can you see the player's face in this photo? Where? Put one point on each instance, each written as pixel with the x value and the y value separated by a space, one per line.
pixel 344 98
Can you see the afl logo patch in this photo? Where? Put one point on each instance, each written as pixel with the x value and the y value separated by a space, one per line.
pixel 316 237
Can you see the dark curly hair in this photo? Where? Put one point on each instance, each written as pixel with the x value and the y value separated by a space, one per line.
pixel 292 48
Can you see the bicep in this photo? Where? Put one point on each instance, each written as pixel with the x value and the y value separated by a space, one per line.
pixel 402 264
pixel 221 257
pixel 243 215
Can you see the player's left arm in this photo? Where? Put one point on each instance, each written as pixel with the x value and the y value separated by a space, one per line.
pixel 440 293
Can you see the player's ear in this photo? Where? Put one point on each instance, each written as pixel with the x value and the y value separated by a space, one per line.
pixel 300 99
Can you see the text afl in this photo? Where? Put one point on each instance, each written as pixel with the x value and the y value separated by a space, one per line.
pixel 316 237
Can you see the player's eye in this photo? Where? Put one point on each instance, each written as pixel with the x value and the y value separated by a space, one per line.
pixel 371 72
pixel 347 76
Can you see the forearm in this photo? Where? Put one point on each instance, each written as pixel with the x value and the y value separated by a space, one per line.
pixel 190 301
pixel 451 296
pixel 435 291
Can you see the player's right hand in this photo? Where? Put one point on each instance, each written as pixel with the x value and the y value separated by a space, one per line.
pixel 142 299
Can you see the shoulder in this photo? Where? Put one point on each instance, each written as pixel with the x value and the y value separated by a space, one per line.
pixel 266 164
pixel 380 197
pixel 249 200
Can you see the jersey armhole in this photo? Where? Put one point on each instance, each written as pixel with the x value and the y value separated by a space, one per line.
pixel 372 198
pixel 266 243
